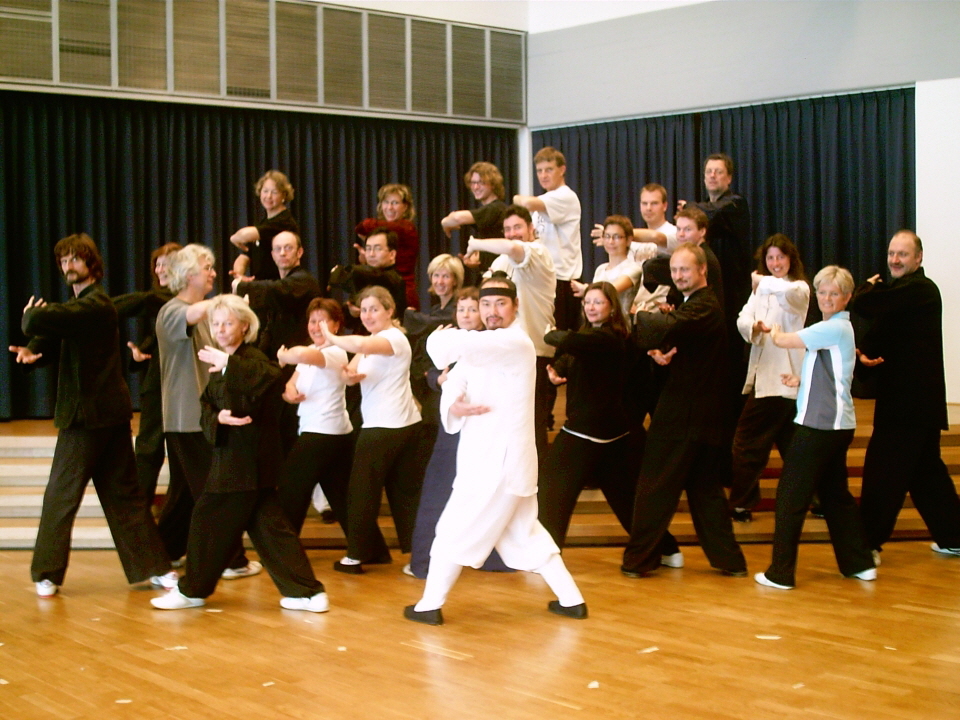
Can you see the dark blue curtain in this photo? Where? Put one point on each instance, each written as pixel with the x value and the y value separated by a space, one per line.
pixel 836 174
pixel 608 163
pixel 135 175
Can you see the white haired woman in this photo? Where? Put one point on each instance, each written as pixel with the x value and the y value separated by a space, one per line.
pixel 241 410
pixel 817 458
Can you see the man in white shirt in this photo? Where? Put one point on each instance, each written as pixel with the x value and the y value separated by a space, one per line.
pixel 527 262
pixel 659 236
pixel 488 398
pixel 556 218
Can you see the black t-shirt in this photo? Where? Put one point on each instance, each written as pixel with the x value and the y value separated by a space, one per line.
pixel 488 220
pixel 262 266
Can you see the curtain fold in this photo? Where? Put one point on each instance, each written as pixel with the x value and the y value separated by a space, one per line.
pixel 137 174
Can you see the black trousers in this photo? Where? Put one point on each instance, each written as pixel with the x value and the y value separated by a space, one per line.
pixel 219 521
pixel 385 458
pixel 105 456
pixel 817 461
pixel 669 467
pixel 190 456
pixel 901 459
pixel 573 463
pixel 545 396
pixel 763 423
pixel 316 458
pixel 149 444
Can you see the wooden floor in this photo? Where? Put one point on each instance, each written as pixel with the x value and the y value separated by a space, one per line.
pixel 683 644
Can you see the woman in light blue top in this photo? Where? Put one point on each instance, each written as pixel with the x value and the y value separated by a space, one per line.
pixel 817 457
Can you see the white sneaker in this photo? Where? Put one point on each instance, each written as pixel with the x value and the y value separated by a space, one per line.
pixel 876 557
pixel 868 574
pixel 762 579
pixel 252 568
pixel 46 589
pixel 945 551
pixel 167 581
pixel 176 600
pixel 407 570
pixel 317 604
pixel 674 561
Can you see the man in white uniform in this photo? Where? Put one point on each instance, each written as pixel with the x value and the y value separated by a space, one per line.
pixel 488 398
pixel 528 263
pixel 556 217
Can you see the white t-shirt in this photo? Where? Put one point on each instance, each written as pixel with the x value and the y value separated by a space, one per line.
pixel 536 284
pixel 325 409
pixel 559 230
pixel 670 230
pixel 387 400
pixel 606 273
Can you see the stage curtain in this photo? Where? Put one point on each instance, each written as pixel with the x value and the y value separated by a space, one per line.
pixel 137 174
pixel 836 174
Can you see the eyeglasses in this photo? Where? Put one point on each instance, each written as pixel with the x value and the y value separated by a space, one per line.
pixel 613 237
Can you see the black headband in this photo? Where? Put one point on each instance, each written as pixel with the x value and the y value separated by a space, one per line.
pixel 498 290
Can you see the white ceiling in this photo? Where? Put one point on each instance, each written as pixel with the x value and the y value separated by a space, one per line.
pixel 533 16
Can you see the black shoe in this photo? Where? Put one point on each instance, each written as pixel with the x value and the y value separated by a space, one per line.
pixel 632 573
pixel 577 612
pixel 741 516
pixel 734 573
pixel 427 617
pixel 348 569
pixel 817 511
pixel 327 517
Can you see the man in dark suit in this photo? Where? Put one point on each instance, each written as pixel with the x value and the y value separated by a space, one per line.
pixel 684 437
pixel 904 350
pixel 93 414
pixel 281 306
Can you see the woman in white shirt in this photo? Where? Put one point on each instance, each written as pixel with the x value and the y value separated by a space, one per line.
pixel 323 452
pixel 781 296
pixel 386 453
pixel 619 270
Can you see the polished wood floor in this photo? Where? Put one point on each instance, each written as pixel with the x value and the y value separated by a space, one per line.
pixel 681 644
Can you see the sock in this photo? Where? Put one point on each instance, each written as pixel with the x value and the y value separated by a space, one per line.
pixel 556 575
pixel 440 579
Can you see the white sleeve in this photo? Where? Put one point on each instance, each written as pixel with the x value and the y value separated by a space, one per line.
pixel 793 295
pixel 450 392
pixel 562 205
pixel 747 318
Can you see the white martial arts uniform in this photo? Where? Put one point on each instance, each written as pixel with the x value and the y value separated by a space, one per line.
pixel 494 501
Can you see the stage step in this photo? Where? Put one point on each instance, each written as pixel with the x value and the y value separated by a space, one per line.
pixel 25 467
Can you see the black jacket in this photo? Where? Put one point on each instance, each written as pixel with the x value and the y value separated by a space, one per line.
pixel 245 457
pixel 91 391
pixel 907 333
pixel 595 362
pixel 692 403
pixel 281 306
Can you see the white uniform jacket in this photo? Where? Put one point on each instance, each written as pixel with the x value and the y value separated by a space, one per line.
pixel 496 368
pixel 777 301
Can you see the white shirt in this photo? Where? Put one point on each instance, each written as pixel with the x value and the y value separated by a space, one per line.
pixel 325 409
pixel 606 273
pixel 496 368
pixel 776 301
pixel 670 230
pixel 559 230
pixel 387 400
pixel 536 284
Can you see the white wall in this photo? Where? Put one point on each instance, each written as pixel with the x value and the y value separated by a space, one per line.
pixel 938 159
pixel 736 53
